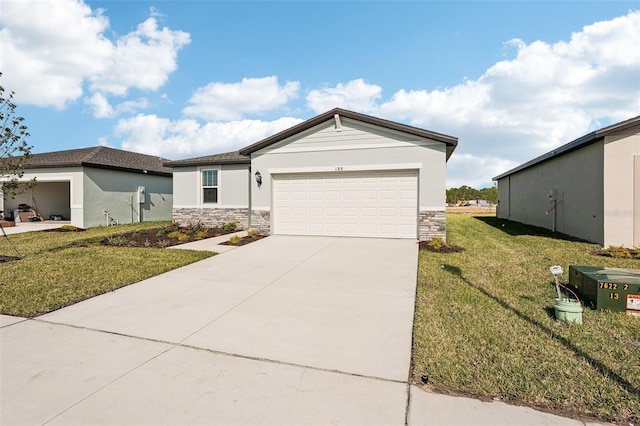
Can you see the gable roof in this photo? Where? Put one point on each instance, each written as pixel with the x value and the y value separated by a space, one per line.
pixel 583 141
pixel 225 158
pixel 101 157
pixel 451 141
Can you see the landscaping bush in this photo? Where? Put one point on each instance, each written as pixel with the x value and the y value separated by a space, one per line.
pixel 230 226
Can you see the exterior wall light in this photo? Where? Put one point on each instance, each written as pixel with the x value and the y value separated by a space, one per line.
pixel 258 179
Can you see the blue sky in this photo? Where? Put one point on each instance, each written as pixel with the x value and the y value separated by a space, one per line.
pixel 180 79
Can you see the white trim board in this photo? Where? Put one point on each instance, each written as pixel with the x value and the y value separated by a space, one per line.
pixel 340 168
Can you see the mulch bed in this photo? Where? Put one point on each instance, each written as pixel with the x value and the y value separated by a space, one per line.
pixel 66 228
pixel 244 241
pixel 445 248
pixel 162 237
pixel 618 253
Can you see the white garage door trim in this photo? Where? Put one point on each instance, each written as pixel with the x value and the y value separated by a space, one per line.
pixel 380 204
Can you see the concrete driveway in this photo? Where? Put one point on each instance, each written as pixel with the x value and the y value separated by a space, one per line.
pixel 284 331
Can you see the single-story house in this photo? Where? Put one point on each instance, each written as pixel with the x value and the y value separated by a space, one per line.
pixel 96 186
pixel 340 173
pixel 588 188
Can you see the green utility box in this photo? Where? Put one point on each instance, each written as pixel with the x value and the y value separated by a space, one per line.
pixel 615 289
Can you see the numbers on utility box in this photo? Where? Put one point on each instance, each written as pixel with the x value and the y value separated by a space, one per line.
pixel 609 286
pixel 614 296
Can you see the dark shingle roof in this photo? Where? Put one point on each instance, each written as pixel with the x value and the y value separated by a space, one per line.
pixel 225 158
pixel 101 157
pixel 575 144
pixel 451 141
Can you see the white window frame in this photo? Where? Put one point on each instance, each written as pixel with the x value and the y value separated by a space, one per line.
pixel 201 186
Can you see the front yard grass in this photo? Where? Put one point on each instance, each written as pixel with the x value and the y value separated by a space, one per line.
pixel 484 325
pixel 58 269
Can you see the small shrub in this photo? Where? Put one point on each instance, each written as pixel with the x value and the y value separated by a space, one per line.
pixel 253 233
pixel 436 244
pixel 230 226
pixel 193 229
pixel 183 237
pixel 167 229
pixel 177 235
pixel 117 240
pixel 235 240
pixel 200 235
pixel 619 252
pixel 69 228
pixel 163 243
pixel 146 243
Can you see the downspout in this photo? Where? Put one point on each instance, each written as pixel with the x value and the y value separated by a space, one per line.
pixel 249 203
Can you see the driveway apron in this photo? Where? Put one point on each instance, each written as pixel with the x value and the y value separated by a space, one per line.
pixel 286 330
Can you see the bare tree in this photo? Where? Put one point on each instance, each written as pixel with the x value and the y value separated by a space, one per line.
pixel 14 150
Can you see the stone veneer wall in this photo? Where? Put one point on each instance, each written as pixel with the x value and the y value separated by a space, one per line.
pixel 261 220
pixel 210 216
pixel 432 224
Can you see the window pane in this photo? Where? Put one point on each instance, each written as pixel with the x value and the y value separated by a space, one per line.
pixel 210 195
pixel 209 178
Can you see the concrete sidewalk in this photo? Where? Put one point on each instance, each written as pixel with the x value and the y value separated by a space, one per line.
pixel 286 330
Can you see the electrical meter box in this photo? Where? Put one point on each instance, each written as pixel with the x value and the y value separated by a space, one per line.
pixel 615 289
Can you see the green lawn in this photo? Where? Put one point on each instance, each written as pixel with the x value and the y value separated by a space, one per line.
pixel 485 326
pixel 58 269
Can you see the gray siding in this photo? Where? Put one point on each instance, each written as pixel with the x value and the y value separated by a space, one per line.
pixel 352 134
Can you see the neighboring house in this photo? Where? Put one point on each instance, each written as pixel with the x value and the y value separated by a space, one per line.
pixel 97 186
pixel 340 173
pixel 588 188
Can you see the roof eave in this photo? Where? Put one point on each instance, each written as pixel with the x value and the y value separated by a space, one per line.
pixel 128 169
pixel 186 163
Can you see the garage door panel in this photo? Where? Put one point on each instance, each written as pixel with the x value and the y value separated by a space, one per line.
pixel 367 204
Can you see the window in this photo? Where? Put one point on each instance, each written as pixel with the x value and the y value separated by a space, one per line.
pixel 209 186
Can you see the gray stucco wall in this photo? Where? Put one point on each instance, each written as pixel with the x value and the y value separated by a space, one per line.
pixel 185 186
pixel 234 185
pixel 113 191
pixel 577 178
pixel 233 195
pixel 233 190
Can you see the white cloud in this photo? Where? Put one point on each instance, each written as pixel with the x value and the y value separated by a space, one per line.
pixel 142 59
pixel 101 108
pixel 185 138
pixel 475 171
pixel 50 48
pixel 355 95
pixel 232 101
pixel 549 94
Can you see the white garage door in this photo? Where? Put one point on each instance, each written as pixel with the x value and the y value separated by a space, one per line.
pixel 355 204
